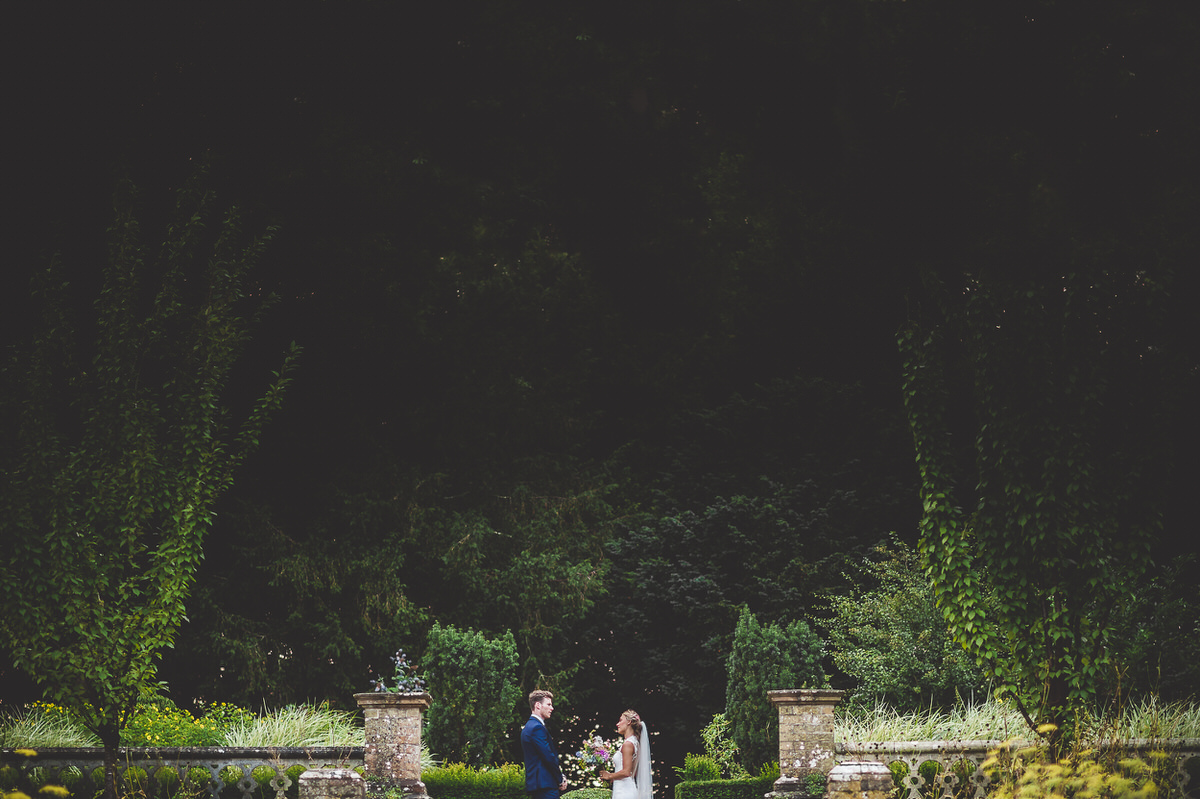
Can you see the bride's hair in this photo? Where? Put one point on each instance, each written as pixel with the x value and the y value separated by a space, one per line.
pixel 634 720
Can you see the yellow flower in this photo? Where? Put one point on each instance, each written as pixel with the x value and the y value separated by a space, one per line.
pixel 26 752
pixel 54 790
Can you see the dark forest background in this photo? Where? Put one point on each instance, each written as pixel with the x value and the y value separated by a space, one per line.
pixel 598 300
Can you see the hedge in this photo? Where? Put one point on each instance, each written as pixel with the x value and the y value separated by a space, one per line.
pixel 746 788
pixel 458 781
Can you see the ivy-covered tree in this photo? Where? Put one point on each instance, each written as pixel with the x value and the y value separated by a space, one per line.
pixel 890 637
pixel 766 658
pixel 473 681
pixel 117 444
pixel 1053 523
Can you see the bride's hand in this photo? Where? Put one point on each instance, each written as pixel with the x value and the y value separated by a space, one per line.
pixel 606 776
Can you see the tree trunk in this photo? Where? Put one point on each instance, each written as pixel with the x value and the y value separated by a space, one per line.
pixel 1056 714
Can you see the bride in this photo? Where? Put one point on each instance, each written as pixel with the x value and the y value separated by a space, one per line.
pixel 631 780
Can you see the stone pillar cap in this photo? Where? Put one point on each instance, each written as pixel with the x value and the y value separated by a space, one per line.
pixel 797 696
pixel 420 699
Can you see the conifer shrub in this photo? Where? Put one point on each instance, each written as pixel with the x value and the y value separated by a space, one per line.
pixel 766 658
pixel 473 681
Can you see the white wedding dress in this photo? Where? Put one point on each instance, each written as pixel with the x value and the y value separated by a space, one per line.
pixel 625 788
pixel 640 785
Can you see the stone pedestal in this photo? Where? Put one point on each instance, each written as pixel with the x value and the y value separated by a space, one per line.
pixel 805 736
pixel 860 779
pixel 332 783
pixel 392 754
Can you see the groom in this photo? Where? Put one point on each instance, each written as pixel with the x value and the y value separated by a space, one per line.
pixel 543 776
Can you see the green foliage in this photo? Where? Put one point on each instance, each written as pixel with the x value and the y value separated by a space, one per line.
pixel 719 746
pixel 1094 774
pixel 473 682
pixel 485 558
pixel 1069 471
pixel 460 781
pixel 161 723
pixel 122 447
pixel 698 768
pixel 892 639
pixel 766 658
pixel 1157 633
pixel 745 788
pixel 737 516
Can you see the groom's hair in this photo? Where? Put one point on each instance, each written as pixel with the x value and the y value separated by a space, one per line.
pixel 539 696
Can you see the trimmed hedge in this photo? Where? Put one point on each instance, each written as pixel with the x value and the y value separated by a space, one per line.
pixel 746 788
pixel 459 781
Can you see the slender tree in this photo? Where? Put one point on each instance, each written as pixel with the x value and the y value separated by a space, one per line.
pixel 120 445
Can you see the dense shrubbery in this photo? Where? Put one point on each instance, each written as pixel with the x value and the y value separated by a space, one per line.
pixel 473 680
pixel 889 636
pixel 161 723
pixel 766 658
pixel 1096 773
pixel 699 768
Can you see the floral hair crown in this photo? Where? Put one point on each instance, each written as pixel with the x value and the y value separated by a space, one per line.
pixel 633 716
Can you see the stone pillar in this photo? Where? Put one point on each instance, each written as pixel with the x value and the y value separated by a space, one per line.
pixel 860 779
pixel 805 736
pixel 332 783
pixel 393 739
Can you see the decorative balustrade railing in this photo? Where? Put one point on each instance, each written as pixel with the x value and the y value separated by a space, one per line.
pixel 948 755
pixel 191 771
pixel 186 771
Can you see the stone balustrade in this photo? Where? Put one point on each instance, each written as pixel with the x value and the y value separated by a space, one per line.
pixel 807 746
pixel 200 768
pixel 391 758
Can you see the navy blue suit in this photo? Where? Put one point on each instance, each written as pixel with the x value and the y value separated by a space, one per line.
pixel 543 775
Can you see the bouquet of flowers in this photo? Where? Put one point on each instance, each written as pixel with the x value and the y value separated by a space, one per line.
pixel 596 756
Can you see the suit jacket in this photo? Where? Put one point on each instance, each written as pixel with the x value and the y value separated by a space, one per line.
pixel 541 758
